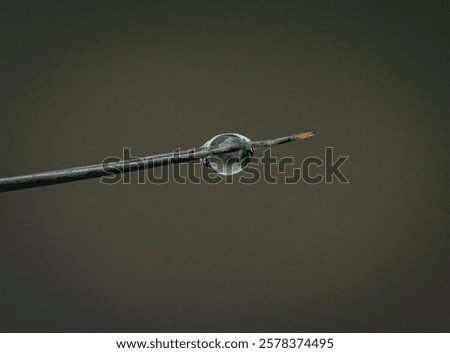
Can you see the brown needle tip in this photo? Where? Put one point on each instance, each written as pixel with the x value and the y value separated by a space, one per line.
pixel 305 135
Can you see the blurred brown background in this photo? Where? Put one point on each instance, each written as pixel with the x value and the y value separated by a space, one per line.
pixel 81 80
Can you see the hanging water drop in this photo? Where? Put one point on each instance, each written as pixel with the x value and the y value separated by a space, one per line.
pixel 228 163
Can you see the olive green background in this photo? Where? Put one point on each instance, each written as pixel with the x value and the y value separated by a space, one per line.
pixel 79 81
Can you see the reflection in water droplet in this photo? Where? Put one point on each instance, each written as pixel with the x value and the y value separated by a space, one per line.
pixel 228 163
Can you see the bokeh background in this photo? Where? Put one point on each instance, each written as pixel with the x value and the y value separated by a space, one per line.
pixel 80 80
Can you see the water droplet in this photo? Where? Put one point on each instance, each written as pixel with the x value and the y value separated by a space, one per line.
pixel 228 163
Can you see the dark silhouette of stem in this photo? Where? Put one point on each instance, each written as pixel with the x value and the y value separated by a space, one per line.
pixel 130 165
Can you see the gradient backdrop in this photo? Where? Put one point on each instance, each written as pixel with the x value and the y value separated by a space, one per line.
pixel 81 80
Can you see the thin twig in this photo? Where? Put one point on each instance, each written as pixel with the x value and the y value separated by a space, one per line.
pixel 130 165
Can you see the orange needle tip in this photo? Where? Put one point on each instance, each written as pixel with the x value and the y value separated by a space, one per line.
pixel 305 135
